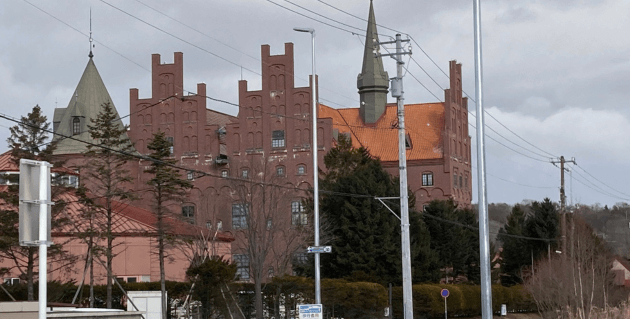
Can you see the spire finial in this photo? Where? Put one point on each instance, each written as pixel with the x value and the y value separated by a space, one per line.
pixel 91 45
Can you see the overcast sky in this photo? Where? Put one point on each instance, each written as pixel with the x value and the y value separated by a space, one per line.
pixel 556 73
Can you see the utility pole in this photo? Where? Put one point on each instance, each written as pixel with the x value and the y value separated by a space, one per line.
pixel 397 92
pixel 563 200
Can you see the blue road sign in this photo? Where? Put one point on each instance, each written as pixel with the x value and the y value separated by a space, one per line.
pixel 445 293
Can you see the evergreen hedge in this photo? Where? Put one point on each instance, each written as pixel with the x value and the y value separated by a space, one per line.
pixel 463 301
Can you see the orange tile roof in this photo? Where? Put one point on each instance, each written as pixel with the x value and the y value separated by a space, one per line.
pixel 424 124
pixel 6 163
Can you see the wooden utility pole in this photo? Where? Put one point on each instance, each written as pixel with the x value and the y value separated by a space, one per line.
pixel 563 199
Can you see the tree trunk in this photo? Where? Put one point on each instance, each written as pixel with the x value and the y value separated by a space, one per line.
pixel 109 254
pixel 91 260
pixel 259 303
pixel 30 274
pixel 161 253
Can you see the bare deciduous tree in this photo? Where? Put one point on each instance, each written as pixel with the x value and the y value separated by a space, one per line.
pixel 270 219
pixel 576 282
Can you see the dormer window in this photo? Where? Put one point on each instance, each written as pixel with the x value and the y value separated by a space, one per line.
pixel 76 126
pixel 407 142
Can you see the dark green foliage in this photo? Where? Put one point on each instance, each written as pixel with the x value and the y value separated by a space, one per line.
pixel 26 142
pixel 455 238
pixel 515 255
pixel 167 185
pixel 29 137
pixel 543 223
pixel 210 278
pixel 463 301
pixel 107 176
pixel 366 235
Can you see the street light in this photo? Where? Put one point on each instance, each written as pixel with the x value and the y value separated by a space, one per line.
pixel 315 170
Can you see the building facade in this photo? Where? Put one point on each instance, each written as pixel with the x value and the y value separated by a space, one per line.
pixel 269 141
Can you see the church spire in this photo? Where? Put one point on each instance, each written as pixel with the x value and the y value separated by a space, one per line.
pixel 373 81
pixel 91 45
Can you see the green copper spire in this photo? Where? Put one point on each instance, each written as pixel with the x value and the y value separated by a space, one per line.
pixel 373 81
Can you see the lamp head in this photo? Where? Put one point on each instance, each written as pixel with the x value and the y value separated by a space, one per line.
pixel 309 30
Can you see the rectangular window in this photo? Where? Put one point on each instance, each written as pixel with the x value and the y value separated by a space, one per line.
pixel 300 259
pixel 209 224
pixel 224 173
pixel 301 169
pixel 298 214
pixel 277 138
pixel 269 223
pixel 454 179
pixel 132 279
pixel 239 216
pixel 76 126
pixel 270 272
pixel 170 140
pixel 242 266
pixel 466 181
pixel 245 173
pixel 280 171
pixel 427 179
pixel 188 211
pixel 190 175
pixel 460 181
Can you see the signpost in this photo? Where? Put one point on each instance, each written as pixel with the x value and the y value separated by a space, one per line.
pixel 319 249
pixel 310 311
pixel 34 219
pixel 445 293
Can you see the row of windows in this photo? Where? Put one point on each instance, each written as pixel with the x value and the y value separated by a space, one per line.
pixel 280 172
pixel 243 263
pixel 299 216
pixel 457 181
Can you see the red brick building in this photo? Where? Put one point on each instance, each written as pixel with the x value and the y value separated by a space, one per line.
pixel 270 138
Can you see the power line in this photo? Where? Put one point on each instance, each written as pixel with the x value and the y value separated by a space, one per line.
pixel 595 178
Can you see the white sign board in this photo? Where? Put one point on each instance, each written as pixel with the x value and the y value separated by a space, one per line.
pixel 310 311
pixel 149 302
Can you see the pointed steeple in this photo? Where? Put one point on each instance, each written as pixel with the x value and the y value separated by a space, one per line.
pixel 373 81
pixel 85 104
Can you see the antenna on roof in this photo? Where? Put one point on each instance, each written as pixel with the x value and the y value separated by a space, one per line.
pixel 91 45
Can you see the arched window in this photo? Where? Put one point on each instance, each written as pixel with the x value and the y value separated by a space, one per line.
pixel 76 126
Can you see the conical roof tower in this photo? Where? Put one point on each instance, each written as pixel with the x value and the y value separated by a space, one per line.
pixel 373 81
pixel 85 104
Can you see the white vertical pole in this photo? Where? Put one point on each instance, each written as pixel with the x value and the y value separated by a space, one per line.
pixel 404 196
pixel 484 245
pixel 44 174
pixel 315 177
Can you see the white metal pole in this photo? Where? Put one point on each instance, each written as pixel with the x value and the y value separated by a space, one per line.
pixel 315 177
pixel 484 245
pixel 44 173
pixel 314 149
pixel 404 196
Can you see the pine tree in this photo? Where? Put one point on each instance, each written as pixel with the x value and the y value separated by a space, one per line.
pixel 516 252
pixel 456 244
pixel 543 223
pixel 167 186
pixel 28 141
pixel 366 235
pixel 106 176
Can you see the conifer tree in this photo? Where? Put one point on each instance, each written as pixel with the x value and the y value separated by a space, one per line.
pixel 28 141
pixel 167 186
pixel 366 235
pixel 106 176
pixel 516 252
pixel 456 245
